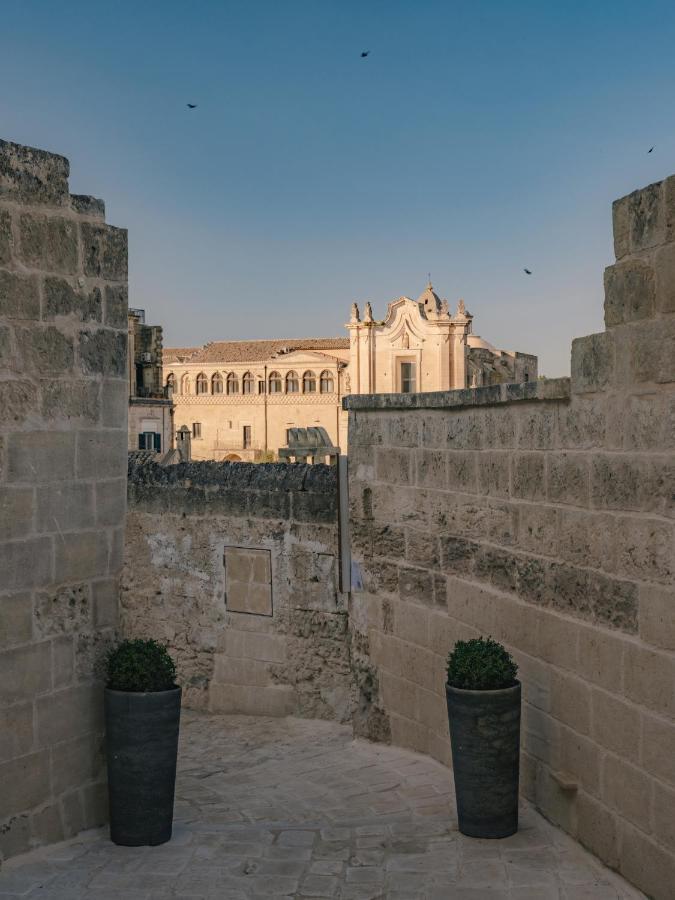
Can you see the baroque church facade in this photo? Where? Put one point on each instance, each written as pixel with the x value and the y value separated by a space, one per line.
pixel 239 399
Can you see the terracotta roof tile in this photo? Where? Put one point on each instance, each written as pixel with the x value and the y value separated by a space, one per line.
pixel 250 351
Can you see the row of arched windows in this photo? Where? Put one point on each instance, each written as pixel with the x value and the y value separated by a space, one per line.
pixel 276 383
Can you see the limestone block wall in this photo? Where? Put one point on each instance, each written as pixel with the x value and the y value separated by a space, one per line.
pixel 235 566
pixel 543 515
pixel 63 423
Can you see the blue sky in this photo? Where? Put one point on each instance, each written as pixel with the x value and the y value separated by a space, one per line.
pixel 476 139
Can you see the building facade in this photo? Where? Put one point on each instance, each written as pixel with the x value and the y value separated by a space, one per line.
pixel 150 404
pixel 240 399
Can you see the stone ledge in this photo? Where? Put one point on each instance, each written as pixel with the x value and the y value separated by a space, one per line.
pixel 318 478
pixel 551 389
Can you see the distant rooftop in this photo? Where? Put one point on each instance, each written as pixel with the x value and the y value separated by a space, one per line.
pixel 250 351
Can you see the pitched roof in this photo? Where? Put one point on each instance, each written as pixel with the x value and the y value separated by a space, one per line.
pixel 250 351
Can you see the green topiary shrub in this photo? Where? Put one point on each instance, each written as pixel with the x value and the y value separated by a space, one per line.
pixel 140 666
pixel 481 664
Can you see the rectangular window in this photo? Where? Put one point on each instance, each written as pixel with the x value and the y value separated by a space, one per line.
pixel 261 387
pixel 150 440
pixel 196 429
pixel 247 437
pixel 408 378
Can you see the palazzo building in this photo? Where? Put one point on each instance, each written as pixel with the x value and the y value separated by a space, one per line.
pixel 150 405
pixel 240 398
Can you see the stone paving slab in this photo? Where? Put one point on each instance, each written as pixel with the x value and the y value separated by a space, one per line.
pixel 290 808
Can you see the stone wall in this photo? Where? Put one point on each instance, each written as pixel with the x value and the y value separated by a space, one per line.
pixel 235 566
pixel 63 423
pixel 543 515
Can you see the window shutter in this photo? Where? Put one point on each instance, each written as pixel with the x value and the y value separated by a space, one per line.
pixel 158 442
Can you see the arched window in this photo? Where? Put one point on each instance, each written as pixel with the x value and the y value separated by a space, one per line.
pixel 275 383
pixel 216 383
pixel 309 383
pixel 327 385
pixel 171 381
pixel 292 383
pixel 232 383
pixel 247 383
pixel 202 384
pixel 185 384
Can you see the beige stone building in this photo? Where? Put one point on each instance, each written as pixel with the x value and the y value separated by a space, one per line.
pixel 150 403
pixel 240 398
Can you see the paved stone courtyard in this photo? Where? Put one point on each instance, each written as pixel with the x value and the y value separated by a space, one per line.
pixel 278 808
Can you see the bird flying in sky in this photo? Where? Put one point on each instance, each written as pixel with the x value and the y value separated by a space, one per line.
pixel 650 150
pixel 527 271
pixel 364 53
pixel 192 106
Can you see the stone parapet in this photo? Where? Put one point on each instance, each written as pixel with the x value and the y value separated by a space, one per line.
pixel 62 452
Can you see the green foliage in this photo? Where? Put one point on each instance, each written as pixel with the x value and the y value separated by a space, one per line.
pixel 481 664
pixel 140 666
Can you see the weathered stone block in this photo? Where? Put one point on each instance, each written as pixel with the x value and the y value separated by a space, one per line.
pixel 6 240
pixel 499 423
pixel 103 352
pixel 649 678
pixel 494 473
pixel 597 828
pixel 664 821
pixel 498 567
pixel 631 482
pixel 458 555
pixel 403 430
pixel 91 650
pixel 278 700
pixel 105 251
pixel 41 456
pixel 69 400
pixel 48 243
pixel 664 269
pixel 19 298
pixel 26 563
pixel 116 305
pixel 64 715
pixel 24 672
pixel 111 502
pixel 430 468
pixel 613 602
pixel 646 220
pixel 538 529
pixel 621 227
pixel 528 480
pixel 63 609
pixel 583 423
pixel 32 176
pixel 46 825
pixel 16 620
pixel 87 206
pixel 657 615
pixel 557 640
pixel 627 790
pixel 76 761
pixel 16 730
pixel 24 782
pixel 592 362
pixel 16 512
pixel 600 656
pixel 114 403
pixel 248 580
pixel 568 589
pixel 45 351
pixel 101 454
pixel 62 299
pixel 421 549
pixel 645 548
pixel 393 466
pixel 630 292
pixel 658 735
pixel 63 661
pixel 415 585
pixel 81 555
pixel 18 402
pixel 646 863
pixel 64 507
pixel 652 351
pixel 462 471
pixel 105 595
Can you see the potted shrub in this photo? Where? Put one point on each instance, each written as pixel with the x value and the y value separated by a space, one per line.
pixel 484 714
pixel 142 714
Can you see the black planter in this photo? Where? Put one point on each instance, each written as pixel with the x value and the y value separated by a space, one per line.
pixel 141 748
pixel 485 739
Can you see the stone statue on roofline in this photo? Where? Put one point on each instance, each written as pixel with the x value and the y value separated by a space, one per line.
pixel 355 313
pixel 368 313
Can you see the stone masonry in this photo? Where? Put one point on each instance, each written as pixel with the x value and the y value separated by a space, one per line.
pixel 63 415
pixel 235 566
pixel 543 515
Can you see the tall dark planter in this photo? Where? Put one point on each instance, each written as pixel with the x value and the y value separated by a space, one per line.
pixel 142 749
pixel 485 739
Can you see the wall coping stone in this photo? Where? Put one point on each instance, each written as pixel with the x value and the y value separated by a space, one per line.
pixel 317 478
pixel 492 395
